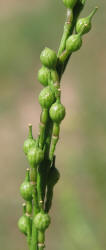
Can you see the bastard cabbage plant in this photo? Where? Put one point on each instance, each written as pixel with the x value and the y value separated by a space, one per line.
pixel 42 174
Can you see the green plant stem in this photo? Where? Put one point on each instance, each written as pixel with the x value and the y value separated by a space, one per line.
pixel 61 66
pixel 39 189
pixel 41 240
pixel 29 224
pixel 43 123
pixel 45 165
pixel 38 178
pixel 76 12
pixel 29 230
pixel 66 32
pixel 34 240
pixel 53 146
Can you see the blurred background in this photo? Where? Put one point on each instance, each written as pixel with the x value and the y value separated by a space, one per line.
pixel 79 205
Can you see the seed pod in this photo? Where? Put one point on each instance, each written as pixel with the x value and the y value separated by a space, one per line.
pixel 42 221
pixel 22 224
pixel 26 188
pixel 48 58
pixel 73 43
pixel 84 25
pixel 57 112
pixel 43 75
pixel 35 156
pixel 29 142
pixel 70 3
pixel 46 97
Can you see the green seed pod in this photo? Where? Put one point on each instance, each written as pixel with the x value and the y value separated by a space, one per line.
pixel 53 177
pixel 22 224
pixel 46 97
pixel 26 188
pixel 42 221
pixel 26 191
pixel 84 25
pixel 29 142
pixel 35 156
pixel 70 3
pixel 43 75
pixel 57 112
pixel 48 58
pixel 73 43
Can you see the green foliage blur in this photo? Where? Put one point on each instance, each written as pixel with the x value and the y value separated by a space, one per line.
pixel 79 206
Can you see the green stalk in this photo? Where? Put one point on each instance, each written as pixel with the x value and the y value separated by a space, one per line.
pixel 66 32
pixel 29 223
pixel 41 240
pixel 76 12
pixel 45 165
pixel 34 240
pixel 42 177
pixel 39 189
pixel 29 230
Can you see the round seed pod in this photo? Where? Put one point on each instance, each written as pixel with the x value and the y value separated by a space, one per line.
pixel 73 43
pixel 46 97
pixel 84 25
pixel 48 58
pixel 29 142
pixel 35 156
pixel 43 75
pixel 70 3
pixel 57 112
pixel 26 190
pixel 26 187
pixel 42 221
pixel 22 224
